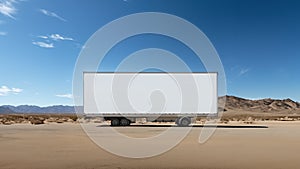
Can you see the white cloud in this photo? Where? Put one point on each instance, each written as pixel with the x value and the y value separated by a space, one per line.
pixel 59 37
pixel 7 8
pixel 43 37
pixel 51 38
pixel 3 33
pixel 69 96
pixel 4 90
pixel 43 44
pixel 243 71
pixel 56 37
pixel 52 14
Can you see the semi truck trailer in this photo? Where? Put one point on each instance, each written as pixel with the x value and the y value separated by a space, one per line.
pixel 125 97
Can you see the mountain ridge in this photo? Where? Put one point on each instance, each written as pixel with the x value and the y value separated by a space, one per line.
pixel 261 105
pixel 38 109
pixel 233 103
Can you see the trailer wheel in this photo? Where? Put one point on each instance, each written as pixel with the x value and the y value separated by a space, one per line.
pixel 124 122
pixel 184 121
pixel 177 121
pixel 115 122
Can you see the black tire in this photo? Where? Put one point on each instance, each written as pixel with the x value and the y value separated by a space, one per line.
pixel 184 121
pixel 177 121
pixel 124 122
pixel 115 122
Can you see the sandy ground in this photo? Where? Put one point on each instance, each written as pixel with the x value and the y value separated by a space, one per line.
pixel 59 146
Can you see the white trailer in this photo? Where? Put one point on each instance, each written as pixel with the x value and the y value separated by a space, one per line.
pixel 123 97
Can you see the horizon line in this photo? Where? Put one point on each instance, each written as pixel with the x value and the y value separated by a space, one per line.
pixel 43 106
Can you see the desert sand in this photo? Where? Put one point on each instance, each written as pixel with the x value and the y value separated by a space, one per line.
pixel 59 146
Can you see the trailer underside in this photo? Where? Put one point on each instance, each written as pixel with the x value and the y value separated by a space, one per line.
pixel 126 119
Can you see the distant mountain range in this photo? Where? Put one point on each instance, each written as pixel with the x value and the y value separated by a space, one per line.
pixel 6 109
pixel 262 105
pixel 232 104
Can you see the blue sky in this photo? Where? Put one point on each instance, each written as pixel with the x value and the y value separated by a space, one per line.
pixel 258 43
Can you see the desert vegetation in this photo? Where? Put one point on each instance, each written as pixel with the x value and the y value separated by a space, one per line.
pixel 8 119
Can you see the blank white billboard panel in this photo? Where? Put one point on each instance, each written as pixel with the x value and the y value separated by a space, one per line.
pixel 150 93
